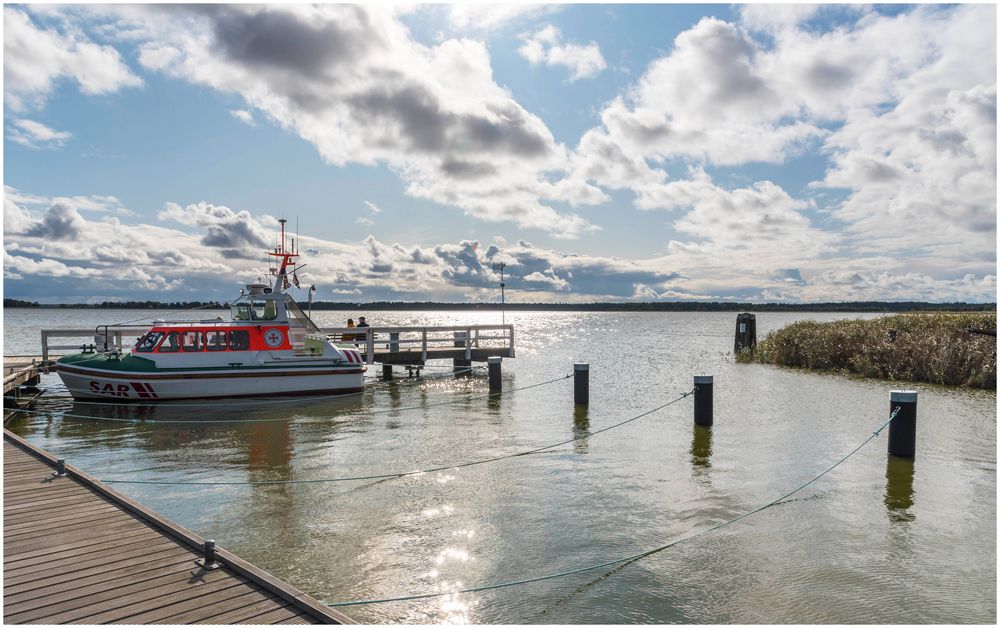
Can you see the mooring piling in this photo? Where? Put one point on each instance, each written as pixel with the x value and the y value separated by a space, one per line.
pixel 386 370
pixel 903 429
pixel 581 383
pixel 746 332
pixel 494 365
pixel 703 400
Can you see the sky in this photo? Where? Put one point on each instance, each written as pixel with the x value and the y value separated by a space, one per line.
pixel 761 153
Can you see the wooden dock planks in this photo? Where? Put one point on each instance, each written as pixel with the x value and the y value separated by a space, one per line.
pixel 76 551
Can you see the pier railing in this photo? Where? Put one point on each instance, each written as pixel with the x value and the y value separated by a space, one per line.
pixel 420 341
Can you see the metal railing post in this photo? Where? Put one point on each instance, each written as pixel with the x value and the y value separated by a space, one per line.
pixel 45 350
pixel 468 343
pixel 370 346
pixel 423 345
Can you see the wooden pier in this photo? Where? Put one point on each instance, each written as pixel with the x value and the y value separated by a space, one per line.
pixel 20 376
pixel 463 344
pixel 76 551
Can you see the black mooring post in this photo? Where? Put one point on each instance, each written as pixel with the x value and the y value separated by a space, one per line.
pixel 581 384
pixel 494 368
pixel 386 371
pixel 209 560
pixel 703 400
pixel 903 429
pixel 60 471
pixel 746 332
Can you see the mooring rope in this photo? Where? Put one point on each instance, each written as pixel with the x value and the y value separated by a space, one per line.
pixel 621 563
pixel 166 403
pixel 314 418
pixel 408 473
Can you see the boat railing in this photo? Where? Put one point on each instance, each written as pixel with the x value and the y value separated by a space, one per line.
pixel 393 339
pixel 104 336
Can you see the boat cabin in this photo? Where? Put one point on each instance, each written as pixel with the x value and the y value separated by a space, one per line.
pixel 190 339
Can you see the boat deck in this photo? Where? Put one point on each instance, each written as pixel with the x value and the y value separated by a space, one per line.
pixel 76 551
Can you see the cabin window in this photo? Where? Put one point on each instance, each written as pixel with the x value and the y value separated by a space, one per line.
pixel 171 343
pixel 191 341
pixel 239 340
pixel 148 342
pixel 215 341
pixel 241 312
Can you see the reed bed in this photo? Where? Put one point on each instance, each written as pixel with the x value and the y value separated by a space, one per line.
pixel 936 348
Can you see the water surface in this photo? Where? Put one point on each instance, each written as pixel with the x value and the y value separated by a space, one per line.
pixel 875 541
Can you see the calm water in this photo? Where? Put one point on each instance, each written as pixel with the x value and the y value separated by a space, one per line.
pixel 873 542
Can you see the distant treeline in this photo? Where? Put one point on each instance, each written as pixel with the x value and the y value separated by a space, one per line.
pixel 660 306
pixel 122 305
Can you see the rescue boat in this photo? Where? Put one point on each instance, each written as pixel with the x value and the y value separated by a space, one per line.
pixel 269 347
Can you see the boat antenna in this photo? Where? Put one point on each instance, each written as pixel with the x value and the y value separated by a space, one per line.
pixel 503 307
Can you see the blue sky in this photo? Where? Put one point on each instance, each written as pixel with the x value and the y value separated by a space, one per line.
pixel 603 152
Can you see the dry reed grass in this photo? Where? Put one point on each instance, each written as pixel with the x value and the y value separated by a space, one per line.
pixel 935 348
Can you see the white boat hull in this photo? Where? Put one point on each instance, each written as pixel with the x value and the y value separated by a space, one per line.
pixel 120 386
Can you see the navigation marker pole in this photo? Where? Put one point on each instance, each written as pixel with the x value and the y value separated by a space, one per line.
pixel 503 313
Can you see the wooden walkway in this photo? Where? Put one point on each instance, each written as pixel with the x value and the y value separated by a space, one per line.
pixel 76 551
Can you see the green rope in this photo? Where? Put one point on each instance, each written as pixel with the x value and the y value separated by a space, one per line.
pixel 334 416
pixel 628 559
pixel 408 473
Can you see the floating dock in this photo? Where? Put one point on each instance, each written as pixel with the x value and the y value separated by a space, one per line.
pixel 77 551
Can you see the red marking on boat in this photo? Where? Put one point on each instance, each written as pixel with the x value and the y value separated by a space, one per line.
pixel 139 388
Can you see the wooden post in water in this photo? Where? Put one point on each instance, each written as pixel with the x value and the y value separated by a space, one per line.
pixel 903 429
pixel 494 368
pixel 581 384
pixel 703 400
pixel 746 332
pixel 386 371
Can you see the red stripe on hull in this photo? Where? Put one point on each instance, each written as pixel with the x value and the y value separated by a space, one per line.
pixel 295 393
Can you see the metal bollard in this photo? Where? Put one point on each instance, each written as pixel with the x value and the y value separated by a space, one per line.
pixel 903 429
pixel 496 384
pixel 581 384
pixel 60 471
pixel 386 371
pixel 209 560
pixel 703 400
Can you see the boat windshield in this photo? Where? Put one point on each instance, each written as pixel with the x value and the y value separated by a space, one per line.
pixel 148 342
pixel 255 311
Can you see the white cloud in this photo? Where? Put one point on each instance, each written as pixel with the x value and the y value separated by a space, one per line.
pixel 157 259
pixel 226 229
pixel 35 134
pixel 775 17
pixel 35 59
pixel 362 90
pixel 545 46
pixel 478 17
pixel 60 222
pixel 16 219
pixel 243 116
